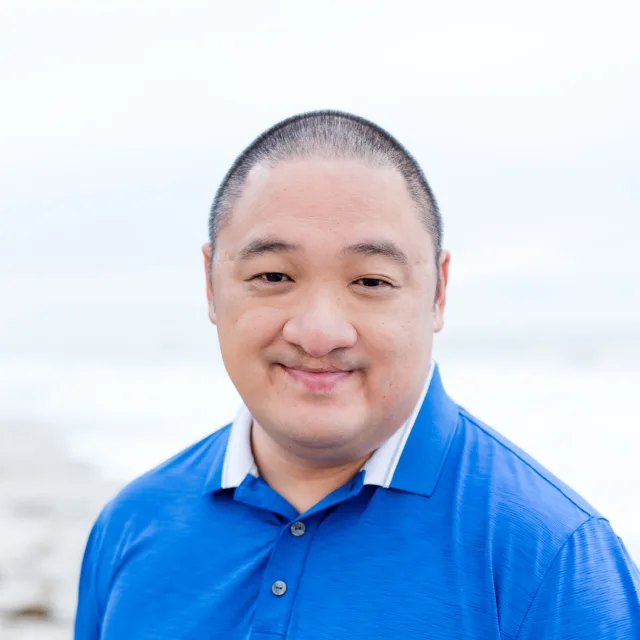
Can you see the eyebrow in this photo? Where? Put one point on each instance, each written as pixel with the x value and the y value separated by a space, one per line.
pixel 261 246
pixel 378 248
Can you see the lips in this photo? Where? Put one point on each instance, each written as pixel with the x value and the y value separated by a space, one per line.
pixel 316 381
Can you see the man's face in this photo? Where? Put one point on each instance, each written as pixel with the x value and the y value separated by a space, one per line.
pixel 324 295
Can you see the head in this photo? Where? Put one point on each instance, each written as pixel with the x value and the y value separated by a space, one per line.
pixel 326 280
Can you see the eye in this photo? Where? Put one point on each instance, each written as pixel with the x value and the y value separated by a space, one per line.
pixel 373 283
pixel 272 277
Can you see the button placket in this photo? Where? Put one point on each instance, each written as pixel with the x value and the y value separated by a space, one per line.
pixel 282 576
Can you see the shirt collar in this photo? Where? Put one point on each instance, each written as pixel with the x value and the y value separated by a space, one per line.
pixel 381 466
pixel 410 460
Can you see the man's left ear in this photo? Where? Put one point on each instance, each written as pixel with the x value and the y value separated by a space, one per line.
pixel 441 294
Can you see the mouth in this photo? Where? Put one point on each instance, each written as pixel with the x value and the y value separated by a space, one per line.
pixel 316 381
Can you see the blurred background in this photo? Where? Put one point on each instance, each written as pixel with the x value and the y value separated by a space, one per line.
pixel 119 119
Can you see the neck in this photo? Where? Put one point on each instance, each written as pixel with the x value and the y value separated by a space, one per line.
pixel 301 482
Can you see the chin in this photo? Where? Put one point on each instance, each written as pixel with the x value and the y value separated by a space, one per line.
pixel 325 430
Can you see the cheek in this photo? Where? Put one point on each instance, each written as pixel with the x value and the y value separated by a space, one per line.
pixel 399 349
pixel 400 335
pixel 245 329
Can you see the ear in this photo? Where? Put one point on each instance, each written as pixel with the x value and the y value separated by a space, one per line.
pixel 441 293
pixel 208 274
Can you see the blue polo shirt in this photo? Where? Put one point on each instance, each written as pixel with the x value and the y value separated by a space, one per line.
pixel 449 531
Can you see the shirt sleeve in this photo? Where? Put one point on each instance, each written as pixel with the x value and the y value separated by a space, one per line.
pixel 87 622
pixel 591 590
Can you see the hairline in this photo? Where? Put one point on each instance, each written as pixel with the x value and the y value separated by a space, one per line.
pixel 269 164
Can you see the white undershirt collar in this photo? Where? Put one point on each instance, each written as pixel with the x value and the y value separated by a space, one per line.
pixel 379 469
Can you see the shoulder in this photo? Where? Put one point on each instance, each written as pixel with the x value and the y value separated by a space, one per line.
pixel 517 486
pixel 527 515
pixel 163 490
pixel 152 503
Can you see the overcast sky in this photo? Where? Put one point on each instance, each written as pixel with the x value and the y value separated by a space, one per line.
pixel 118 119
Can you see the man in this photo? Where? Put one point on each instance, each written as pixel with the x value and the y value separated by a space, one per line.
pixel 351 498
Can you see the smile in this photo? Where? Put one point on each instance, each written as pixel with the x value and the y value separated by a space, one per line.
pixel 316 381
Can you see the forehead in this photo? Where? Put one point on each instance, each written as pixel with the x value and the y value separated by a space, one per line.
pixel 325 200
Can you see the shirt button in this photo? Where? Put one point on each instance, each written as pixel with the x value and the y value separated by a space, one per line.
pixel 298 528
pixel 279 588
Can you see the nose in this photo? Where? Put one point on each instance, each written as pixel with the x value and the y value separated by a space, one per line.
pixel 320 326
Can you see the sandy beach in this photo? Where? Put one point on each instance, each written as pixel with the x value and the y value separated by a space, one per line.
pixel 47 506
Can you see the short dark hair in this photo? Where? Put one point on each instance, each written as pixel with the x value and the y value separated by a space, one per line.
pixel 331 134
